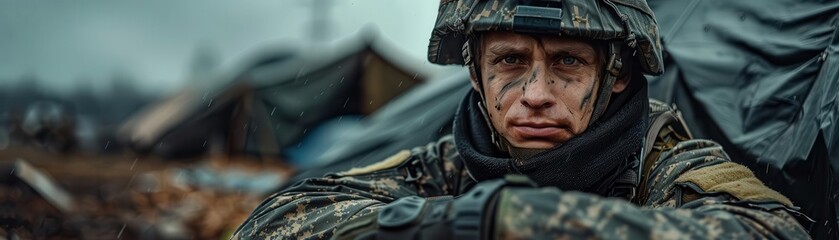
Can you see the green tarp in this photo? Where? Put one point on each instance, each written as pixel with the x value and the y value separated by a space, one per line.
pixel 762 78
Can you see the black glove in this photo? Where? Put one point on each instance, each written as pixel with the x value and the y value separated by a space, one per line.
pixel 468 216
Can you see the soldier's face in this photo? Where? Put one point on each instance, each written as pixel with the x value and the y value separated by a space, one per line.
pixel 540 91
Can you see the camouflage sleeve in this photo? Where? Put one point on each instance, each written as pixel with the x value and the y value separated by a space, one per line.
pixel 313 208
pixel 680 205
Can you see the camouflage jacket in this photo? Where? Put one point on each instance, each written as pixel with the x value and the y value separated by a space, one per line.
pixel 689 190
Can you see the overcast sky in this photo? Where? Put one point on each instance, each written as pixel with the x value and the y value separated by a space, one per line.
pixel 83 43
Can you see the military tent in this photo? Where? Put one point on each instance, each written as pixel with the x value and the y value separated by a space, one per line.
pixel 271 104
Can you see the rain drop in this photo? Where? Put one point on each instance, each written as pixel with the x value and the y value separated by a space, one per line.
pixel 135 163
pixel 299 73
pixel 120 231
pixel 272 111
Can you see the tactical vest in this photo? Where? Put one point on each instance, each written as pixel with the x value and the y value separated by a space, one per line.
pixel 666 128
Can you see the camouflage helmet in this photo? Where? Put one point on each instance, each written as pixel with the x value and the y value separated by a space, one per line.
pixel 630 21
pixel 628 26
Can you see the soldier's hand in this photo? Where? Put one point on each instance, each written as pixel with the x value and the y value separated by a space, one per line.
pixel 469 216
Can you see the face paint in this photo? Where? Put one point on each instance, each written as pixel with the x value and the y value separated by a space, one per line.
pixel 504 91
pixel 533 78
pixel 587 97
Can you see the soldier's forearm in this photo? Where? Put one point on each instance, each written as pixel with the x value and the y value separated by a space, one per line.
pixel 305 215
pixel 550 214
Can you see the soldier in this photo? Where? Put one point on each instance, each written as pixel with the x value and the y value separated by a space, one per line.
pixel 557 139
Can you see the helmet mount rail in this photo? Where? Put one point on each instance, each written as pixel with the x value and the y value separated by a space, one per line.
pixel 533 19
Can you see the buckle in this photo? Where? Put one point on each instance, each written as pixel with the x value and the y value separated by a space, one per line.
pixel 627 192
pixel 471 209
pixel 414 170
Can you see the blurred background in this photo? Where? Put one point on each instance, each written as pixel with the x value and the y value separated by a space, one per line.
pixel 162 119
pixel 175 119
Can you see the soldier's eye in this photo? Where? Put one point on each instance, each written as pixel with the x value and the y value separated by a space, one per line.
pixel 511 60
pixel 568 60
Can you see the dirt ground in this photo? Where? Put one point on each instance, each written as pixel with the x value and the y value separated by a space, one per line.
pixel 125 196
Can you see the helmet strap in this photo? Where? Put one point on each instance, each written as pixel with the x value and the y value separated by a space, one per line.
pixel 470 48
pixel 610 75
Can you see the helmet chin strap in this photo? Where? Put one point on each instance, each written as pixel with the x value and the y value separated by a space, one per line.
pixel 610 74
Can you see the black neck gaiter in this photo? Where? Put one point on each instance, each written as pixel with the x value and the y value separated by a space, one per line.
pixel 589 162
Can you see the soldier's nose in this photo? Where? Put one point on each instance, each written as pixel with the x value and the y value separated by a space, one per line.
pixel 537 93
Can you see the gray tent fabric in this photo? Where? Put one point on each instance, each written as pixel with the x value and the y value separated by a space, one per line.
pixel 307 94
pixel 762 78
pixel 422 115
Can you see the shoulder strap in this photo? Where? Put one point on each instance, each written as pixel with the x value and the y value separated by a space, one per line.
pixel 666 129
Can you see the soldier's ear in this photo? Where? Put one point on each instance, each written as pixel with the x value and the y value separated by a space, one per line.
pixel 621 83
pixel 624 77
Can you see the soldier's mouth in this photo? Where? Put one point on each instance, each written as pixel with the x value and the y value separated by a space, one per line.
pixel 536 131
